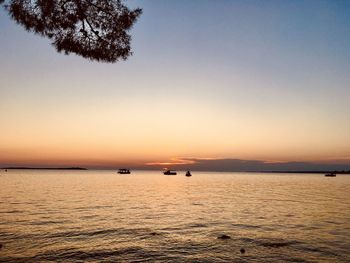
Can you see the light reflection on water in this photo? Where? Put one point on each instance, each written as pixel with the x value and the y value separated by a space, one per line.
pixel 103 216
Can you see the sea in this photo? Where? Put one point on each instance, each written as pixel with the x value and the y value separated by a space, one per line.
pixel 102 216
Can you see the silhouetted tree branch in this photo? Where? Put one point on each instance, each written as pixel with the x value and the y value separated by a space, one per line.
pixel 93 29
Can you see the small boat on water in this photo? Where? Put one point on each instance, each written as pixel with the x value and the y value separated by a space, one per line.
pixel 124 171
pixel 169 172
pixel 330 175
pixel 188 174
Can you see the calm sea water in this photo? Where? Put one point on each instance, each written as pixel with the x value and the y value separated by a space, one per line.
pixel 101 216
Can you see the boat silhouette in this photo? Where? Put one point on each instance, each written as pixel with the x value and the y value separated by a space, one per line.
pixel 188 174
pixel 169 172
pixel 124 171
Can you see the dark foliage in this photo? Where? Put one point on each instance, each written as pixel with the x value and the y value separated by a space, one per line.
pixel 93 29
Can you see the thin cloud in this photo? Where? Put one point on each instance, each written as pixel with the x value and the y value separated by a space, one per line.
pixel 239 165
pixel 173 161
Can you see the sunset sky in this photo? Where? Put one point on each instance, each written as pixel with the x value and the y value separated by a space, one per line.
pixel 251 80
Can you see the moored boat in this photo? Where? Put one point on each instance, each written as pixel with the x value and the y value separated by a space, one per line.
pixel 188 174
pixel 330 175
pixel 124 171
pixel 169 172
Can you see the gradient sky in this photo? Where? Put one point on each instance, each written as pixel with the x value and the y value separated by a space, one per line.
pixel 262 80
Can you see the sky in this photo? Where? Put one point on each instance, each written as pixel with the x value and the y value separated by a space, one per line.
pixel 241 80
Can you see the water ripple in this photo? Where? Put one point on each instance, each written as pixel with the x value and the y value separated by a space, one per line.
pixel 97 216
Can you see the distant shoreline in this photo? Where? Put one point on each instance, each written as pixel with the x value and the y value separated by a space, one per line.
pixel 44 168
pixel 83 169
pixel 306 172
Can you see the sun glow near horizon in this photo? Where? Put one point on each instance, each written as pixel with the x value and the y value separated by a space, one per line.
pixel 163 129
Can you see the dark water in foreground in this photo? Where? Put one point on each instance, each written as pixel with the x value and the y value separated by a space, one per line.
pixel 82 216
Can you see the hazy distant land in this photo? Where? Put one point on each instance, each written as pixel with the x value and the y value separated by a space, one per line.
pixel 306 172
pixel 233 171
pixel 45 168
